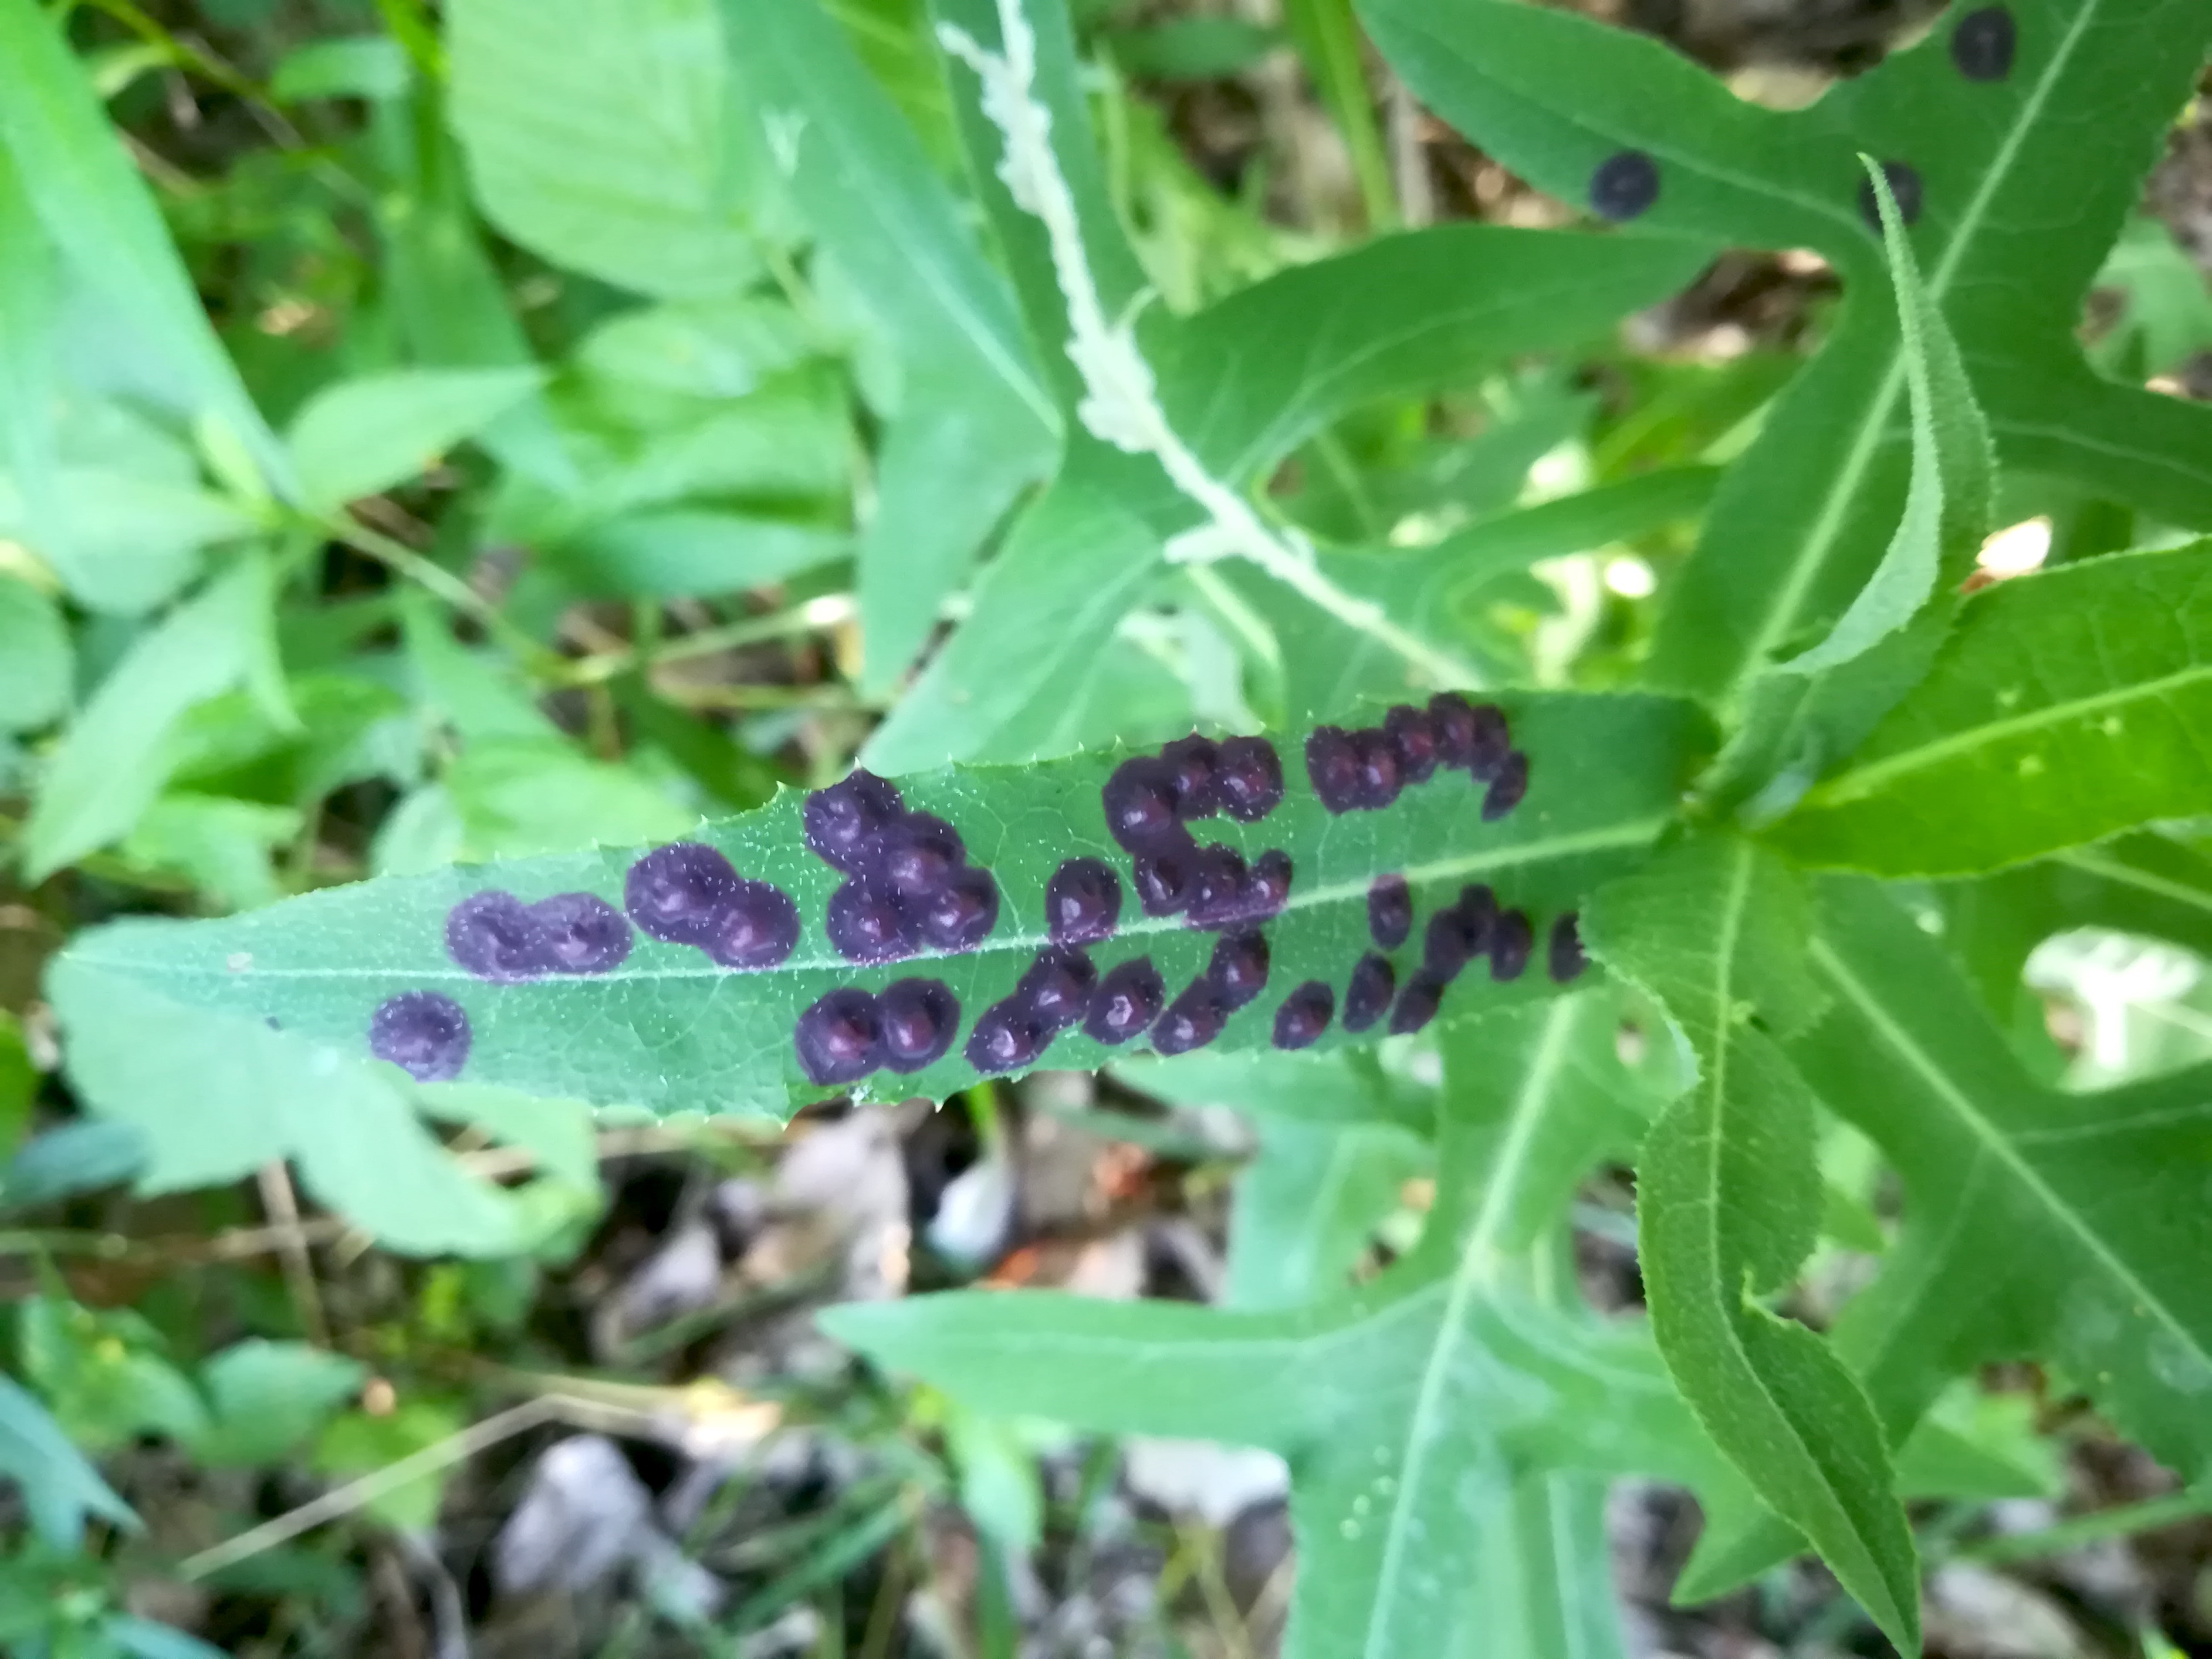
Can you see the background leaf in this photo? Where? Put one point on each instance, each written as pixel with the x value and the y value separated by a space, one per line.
pixel 361 436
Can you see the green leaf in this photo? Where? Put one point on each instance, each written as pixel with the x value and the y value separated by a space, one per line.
pixel 76 1157
pixel 606 143
pixel 974 423
pixel 60 1488
pixel 2169 317
pixel 1800 526
pixel 1946 502
pixel 361 436
pixel 348 66
pixel 1409 1409
pixel 95 210
pixel 669 1029
pixel 1327 1090
pixel 2038 1222
pixel 265 1398
pixel 35 666
pixel 217 1099
pixel 1307 1205
pixel 104 1373
pixel 110 767
pixel 2066 707
pixel 1728 1203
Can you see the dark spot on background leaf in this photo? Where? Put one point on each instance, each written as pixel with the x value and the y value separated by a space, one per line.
pixel 759 928
pixel 1389 911
pixel 1129 1000
pixel 1904 184
pixel 921 851
pixel 585 934
pixel 1457 934
pixel 1248 778
pixel 846 821
pixel 840 1038
pixel 1238 967
pixel 866 923
pixel 1567 959
pixel 1507 788
pixel 1082 902
pixel 1624 186
pixel 961 915
pixel 918 1019
pixel 676 894
pixel 1373 983
pixel 1193 762
pixel 1304 1015
pixel 1269 889
pixel 424 1033
pixel 1193 1019
pixel 1417 1003
pixel 1139 800
pixel 1984 43
pixel 1333 768
pixel 1511 940
pixel 493 936
pixel 1218 880
pixel 1007 1038
pixel 1163 877
pixel 1057 986
pixel 1412 734
pixel 1380 776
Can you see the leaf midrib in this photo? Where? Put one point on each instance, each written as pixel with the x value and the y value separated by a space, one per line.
pixel 1479 1261
pixel 1629 833
pixel 1812 558
pixel 1992 1141
pixel 1863 781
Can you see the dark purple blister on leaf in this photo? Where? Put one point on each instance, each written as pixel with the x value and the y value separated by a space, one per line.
pixel 1192 1020
pixel 1218 882
pixel 1451 717
pixel 867 924
pixel 1511 940
pixel 1267 888
pixel 676 894
pixel 840 1038
pixel 1248 776
pixel 1417 1004
pixel 423 1033
pixel 1381 778
pixel 1082 902
pixel 1625 185
pixel 1304 1015
pixel 1368 993
pixel 1453 938
pixel 495 936
pixel 1163 877
pixel 961 914
pixel 1984 43
pixel 1194 760
pixel 1333 768
pixel 1127 1000
pixel 1567 958
pixel 1904 180
pixel 845 823
pixel 1493 742
pixel 919 854
pixel 1139 800
pixel 1238 967
pixel 1389 911
pixel 919 1018
pixel 1414 735
pixel 1507 788
pixel 585 934
pixel 1058 987
pixel 759 928
pixel 1007 1038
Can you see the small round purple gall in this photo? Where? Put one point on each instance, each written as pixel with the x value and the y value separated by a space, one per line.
pixel 676 894
pixel 1566 958
pixel 1192 1020
pixel 919 1018
pixel 424 1034
pixel 1304 1015
pixel 1006 1038
pixel 867 924
pixel 495 936
pixel 1127 1000
pixel 1333 768
pixel 1082 902
pixel 840 1038
pixel 759 928
pixel 1239 968
pixel 584 934
pixel 1507 788
pixel 960 915
pixel 1414 736
pixel 1389 911
pixel 1248 776
pixel 845 823
pixel 1058 986
pixel 1139 800
pixel 1417 1004
pixel 1511 940
pixel 1368 995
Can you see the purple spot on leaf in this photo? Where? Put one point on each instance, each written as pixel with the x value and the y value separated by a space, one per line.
pixel 919 854
pixel 846 821
pixel 1333 768
pixel 1082 902
pixel 1373 983
pixel 1984 43
pixel 1389 911
pixel 840 1038
pixel 1304 1015
pixel 1625 185
pixel 1239 968
pixel 1163 877
pixel 1417 1004
pixel 1007 1038
pixel 758 928
pixel 867 924
pixel 918 1019
pixel 1511 940
pixel 495 936
pixel 1567 957
pixel 1057 986
pixel 1193 762
pixel 1139 800
pixel 585 934
pixel 960 915
pixel 1248 778
pixel 1380 779
pixel 676 894
pixel 1192 1020
pixel 1414 735
pixel 1129 1000
pixel 424 1034
pixel 1507 788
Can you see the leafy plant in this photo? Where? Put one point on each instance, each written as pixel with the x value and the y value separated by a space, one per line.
pixel 1254 760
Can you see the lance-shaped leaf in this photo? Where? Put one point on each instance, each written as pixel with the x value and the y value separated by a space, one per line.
pixel 1728 1203
pixel 1976 130
pixel 1408 1409
pixel 2068 705
pixel 2039 1224
pixel 1946 502
pixel 907 939
pixel 975 420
